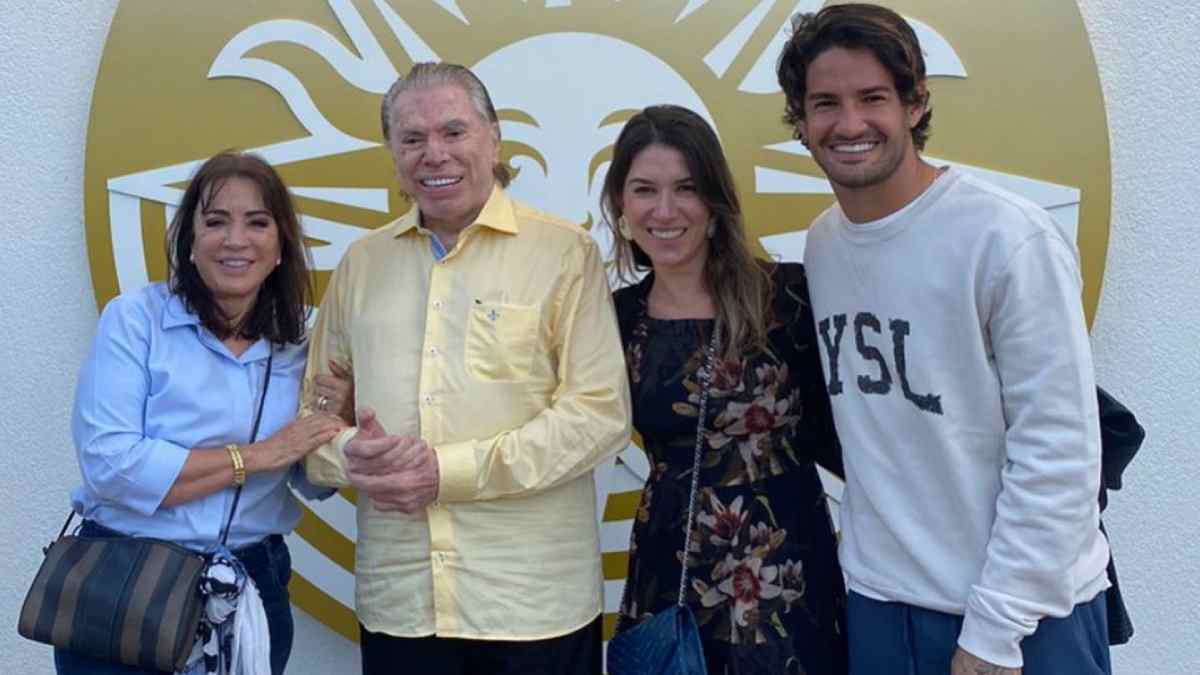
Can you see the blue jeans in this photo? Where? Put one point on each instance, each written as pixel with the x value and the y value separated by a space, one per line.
pixel 893 638
pixel 269 564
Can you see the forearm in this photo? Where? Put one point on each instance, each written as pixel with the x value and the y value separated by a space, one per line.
pixel 210 470
pixel 207 470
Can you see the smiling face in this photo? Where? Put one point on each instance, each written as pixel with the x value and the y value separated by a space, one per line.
pixel 855 123
pixel 444 154
pixel 236 243
pixel 665 214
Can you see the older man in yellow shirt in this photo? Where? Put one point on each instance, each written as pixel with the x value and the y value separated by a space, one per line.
pixel 489 369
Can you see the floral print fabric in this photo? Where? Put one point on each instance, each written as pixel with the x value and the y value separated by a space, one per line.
pixel 764 582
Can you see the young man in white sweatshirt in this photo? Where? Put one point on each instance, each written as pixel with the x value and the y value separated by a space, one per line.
pixel 957 361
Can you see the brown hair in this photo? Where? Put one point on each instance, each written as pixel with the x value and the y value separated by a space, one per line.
pixel 281 309
pixel 855 26
pixel 430 74
pixel 739 284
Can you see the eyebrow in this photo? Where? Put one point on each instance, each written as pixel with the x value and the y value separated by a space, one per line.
pixel 223 212
pixel 860 92
pixel 647 181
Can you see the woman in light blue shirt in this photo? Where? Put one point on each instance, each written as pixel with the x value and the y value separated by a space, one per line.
pixel 168 394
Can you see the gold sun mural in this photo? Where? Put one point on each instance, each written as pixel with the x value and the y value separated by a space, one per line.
pixel 1016 99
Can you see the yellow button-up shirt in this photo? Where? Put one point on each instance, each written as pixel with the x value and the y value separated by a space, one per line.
pixel 504 356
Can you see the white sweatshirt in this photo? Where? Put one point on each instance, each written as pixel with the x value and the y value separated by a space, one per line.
pixel 957 360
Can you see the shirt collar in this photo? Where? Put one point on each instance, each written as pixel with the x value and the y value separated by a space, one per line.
pixel 176 314
pixel 497 214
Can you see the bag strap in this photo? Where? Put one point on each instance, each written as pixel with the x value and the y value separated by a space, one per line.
pixel 706 376
pixel 262 397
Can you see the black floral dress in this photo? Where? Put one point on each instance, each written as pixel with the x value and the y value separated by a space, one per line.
pixel 764 580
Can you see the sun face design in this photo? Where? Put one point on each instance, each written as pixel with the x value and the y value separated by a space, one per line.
pixel 300 81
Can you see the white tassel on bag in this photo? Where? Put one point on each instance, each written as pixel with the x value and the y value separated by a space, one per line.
pixel 251 654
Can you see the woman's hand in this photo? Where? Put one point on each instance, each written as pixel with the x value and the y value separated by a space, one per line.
pixel 335 393
pixel 291 443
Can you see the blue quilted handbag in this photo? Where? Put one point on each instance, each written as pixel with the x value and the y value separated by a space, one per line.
pixel 669 642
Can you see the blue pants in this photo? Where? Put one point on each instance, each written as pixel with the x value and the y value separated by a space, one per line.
pixel 268 563
pixel 892 638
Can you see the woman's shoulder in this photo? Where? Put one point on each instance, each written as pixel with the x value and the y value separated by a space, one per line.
pixel 141 306
pixel 629 299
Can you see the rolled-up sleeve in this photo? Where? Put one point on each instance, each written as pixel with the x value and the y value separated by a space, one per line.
pixel 119 463
pixel 588 419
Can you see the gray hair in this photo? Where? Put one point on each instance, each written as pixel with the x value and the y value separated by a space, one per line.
pixel 431 74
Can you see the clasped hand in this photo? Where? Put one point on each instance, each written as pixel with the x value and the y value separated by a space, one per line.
pixel 398 473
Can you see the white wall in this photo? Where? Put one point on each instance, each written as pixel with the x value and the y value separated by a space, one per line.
pixel 1146 350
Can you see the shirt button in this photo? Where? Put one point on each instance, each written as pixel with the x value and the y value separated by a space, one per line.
pixel 437 304
pixel 428 400
pixel 433 351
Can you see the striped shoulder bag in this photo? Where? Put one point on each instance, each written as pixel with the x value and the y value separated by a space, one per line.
pixel 130 600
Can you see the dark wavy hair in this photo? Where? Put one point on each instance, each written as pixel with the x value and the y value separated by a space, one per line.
pixel 281 310
pixel 739 284
pixel 855 26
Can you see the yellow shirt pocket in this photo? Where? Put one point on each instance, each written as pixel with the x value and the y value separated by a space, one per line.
pixel 501 340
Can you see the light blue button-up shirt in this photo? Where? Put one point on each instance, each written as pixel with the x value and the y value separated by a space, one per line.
pixel 155 384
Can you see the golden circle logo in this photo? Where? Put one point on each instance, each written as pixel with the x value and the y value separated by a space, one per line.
pixel 299 82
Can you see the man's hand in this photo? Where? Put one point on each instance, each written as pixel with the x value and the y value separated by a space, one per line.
pixel 966 663
pixel 398 473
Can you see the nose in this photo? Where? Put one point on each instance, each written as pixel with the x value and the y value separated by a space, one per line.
pixel 236 235
pixel 435 152
pixel 664 206
pixel 852 121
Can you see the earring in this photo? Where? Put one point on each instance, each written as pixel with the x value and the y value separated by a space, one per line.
pixel 277 261
pixel 712 228
pixel 192 257
pixel 623 228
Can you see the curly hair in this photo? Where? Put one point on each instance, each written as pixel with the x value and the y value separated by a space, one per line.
pixel 855 26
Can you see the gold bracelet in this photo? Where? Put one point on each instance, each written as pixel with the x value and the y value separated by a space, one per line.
pixel 239 467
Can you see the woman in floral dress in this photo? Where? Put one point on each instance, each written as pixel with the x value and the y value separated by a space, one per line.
pixel 764 581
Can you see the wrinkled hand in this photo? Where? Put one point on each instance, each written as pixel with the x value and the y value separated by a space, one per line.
pixel 291 443
pixel 334 393
pixel 966 663
pixel 398 473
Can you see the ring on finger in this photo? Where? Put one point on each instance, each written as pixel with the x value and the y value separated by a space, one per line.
pixel 322 402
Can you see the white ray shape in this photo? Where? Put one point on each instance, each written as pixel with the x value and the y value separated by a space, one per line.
pixel 940 58
pixel 692 6
pixel 721 57
pixel 613 589
pixel 452 7
pixel 786 246
pixel 614 535
pixel 761 79
pixel 418 50
pixel 770 181
pixel 320 571
pixel 337 512
pixel 339 236
pixel 373 199
pixel 371 72
pixel 790 147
